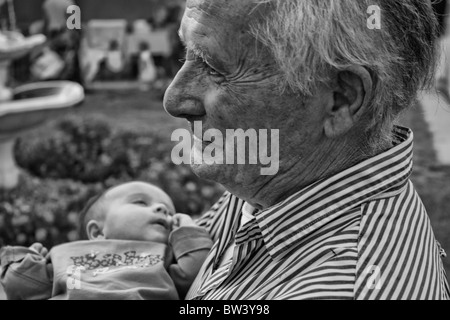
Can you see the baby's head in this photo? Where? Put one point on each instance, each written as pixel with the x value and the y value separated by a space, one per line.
pixel 131 211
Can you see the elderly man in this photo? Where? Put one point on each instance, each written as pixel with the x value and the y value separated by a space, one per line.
pixel 340 219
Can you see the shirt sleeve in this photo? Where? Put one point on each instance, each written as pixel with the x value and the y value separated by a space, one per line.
pixel 25 274
pixel 191 246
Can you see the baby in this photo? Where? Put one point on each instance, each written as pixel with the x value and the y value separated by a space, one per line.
pixel 136 247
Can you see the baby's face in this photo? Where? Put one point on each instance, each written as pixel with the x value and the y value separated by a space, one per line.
pixel 138 211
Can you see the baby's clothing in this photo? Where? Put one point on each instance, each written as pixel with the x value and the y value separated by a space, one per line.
pixel 107 269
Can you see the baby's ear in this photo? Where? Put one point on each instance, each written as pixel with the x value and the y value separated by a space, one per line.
pixel 94 230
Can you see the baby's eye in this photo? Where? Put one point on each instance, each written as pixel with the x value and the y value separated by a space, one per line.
pixel 140 202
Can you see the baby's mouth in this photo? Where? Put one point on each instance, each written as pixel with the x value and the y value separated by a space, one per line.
pixel 162 222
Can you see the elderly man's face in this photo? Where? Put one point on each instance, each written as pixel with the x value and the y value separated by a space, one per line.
pixel 229 81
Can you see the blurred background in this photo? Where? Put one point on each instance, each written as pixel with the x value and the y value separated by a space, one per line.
pixel 124 56
pixel 81 110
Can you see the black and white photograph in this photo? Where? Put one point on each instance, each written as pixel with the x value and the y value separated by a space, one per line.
pixel 241 151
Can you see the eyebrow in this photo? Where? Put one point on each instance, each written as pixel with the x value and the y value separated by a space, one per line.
pixel 196 49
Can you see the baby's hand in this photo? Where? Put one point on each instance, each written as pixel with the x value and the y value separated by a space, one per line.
pixel 39 248
pixel 182 220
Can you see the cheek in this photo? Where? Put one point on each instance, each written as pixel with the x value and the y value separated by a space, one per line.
pixel 120 226
pixel 227 110
pixel 211 98
pixel 218 106
pixel 112 228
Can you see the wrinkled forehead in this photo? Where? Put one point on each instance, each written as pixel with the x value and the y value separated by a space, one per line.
pixel 233 12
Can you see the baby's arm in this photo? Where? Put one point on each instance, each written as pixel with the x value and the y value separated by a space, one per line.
pixel 26 273
pixel 191 245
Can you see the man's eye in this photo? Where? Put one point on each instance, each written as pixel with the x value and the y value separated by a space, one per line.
pixel 212 72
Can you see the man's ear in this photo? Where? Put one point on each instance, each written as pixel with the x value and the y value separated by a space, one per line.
pixel 351 93
pixel 94 230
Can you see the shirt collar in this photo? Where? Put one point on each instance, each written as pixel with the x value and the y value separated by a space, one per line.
pixel 288 223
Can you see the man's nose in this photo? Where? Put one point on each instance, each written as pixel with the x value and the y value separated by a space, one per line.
pixel 185 95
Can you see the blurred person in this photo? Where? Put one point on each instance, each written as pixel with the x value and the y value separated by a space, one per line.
pixel 56 14
pixel 136 247
pixel 114 60
pixel 147 72
pixel 62 41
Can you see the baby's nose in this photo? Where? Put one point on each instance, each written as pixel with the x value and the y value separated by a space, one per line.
pixel 161 208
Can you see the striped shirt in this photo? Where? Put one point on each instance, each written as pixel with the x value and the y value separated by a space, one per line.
pixel 361 234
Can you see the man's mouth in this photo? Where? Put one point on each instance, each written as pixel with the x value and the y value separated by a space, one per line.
pixel 200 140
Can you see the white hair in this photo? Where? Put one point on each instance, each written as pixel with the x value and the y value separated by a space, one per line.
pixel 313 39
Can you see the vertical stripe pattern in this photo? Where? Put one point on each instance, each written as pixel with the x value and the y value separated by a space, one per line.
pixel 361 234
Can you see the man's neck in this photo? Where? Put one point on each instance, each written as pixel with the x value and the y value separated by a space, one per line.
pixel 324 162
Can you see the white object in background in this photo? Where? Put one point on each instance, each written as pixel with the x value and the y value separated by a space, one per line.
pixel 36 27
pixel 32 105
pixel 41 96
pixel 13 45
pixel 5 93
pixel 9 172
pixel 159 41
pixel 56 13
pixel 90 59
pixel 142 26
pixel 114 60
pixel 48 66
pixel 436 110
pixel 100 33
pixel 147 68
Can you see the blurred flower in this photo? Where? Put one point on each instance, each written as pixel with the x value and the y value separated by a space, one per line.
pixel 20 221
pixel 191 186
pixel 21 238
pixel 48 217
pixel 72 236
pixel 41 235
pixel 72 218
